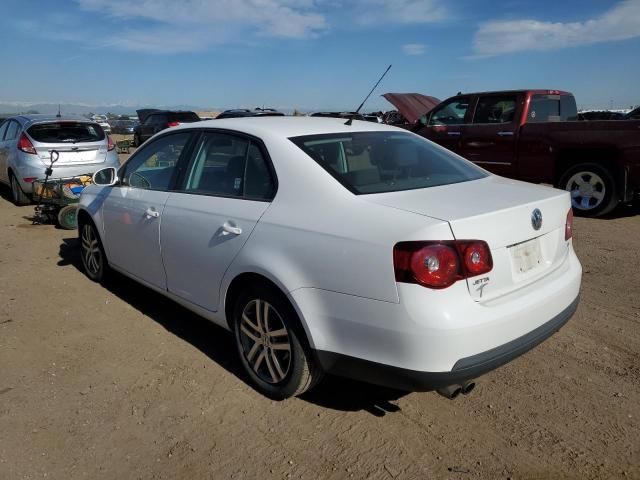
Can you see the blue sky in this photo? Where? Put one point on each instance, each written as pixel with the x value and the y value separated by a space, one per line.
pixel 314 54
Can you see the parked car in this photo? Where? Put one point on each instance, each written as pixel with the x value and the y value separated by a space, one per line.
pixel 125 127
pixel 153 121
pixel 633 114
pixel 243 112
pixel 103 121
pixel 344 115
pixel 534 135
pixel 26 142
pixel 591 115
pixel 362 250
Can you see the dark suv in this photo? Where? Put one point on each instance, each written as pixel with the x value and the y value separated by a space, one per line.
pixel 152 121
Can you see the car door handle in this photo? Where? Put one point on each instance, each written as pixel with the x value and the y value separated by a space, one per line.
pixel 227 229
pixel 150 213
pixel 453 134
pixel 505 134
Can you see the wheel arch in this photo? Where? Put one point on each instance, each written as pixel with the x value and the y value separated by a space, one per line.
pixel 243 279
pixel 607 157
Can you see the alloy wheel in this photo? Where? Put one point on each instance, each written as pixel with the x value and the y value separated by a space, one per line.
pixel 265 341
pixel 91 253
pixel 587 190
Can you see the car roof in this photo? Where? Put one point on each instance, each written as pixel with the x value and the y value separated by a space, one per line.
pixel 533 91
pixel 289 126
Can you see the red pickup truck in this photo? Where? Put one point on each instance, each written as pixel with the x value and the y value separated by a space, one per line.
pixel 534 135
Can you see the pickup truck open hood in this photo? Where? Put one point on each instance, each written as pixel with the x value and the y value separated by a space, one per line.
pixel 412 105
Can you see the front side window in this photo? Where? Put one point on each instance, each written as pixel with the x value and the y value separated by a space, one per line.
pixel 231 166
pixel 377 162
pixel 66 132
pixel 451 113
pixel 154 166
pixel 495 109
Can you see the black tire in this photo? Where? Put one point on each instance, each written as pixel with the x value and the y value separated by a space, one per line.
pixel 136 140
pixel 268 375
pixel 599 193
pixel 17 195
pixel 95 271
pixel 68 217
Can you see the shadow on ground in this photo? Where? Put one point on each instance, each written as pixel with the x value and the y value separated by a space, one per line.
pixel 218 344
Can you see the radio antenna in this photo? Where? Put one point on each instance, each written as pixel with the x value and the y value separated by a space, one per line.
pixel 348 122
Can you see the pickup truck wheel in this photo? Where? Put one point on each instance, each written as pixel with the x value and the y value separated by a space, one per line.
pixel 592 187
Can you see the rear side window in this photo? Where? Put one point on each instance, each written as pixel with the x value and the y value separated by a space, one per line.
pixel 183 117
pixel 3 129
pixel 495 109
pixel 377 162
pixel 231 166
pixel 66 132
pixel 552 108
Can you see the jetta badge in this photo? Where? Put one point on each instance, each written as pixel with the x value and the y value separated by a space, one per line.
pixel 536 219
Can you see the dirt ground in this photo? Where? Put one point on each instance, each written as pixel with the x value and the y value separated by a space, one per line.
pixel 120 383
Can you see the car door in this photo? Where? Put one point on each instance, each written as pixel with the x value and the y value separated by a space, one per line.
pixel 445 124
pixel 132 211
pixel 490 139
pixel 226 189
pixel 4 153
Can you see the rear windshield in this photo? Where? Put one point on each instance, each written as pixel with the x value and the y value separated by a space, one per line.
pixel 184 117
pixel 66 132
pixel 377 162
pixel 552 108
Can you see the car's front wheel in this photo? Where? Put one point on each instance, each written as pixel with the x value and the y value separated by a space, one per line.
pixel 271 344
pixel 17 195
pixel 93 257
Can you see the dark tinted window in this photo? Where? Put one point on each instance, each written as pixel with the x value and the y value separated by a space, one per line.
pixel 229 165
pixel 552 108
pixel 495 109
pixel 66 132
pixel 184 117
pixel 450 113
pixel 376 162
pixel 153 166
pixel 3 129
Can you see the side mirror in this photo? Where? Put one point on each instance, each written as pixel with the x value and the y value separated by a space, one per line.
pixel 423 120
pixel 106 177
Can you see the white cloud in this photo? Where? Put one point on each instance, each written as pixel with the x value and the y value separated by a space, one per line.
pixel 172 26
pixel 501 37
pixel 413 49
pixel 381 12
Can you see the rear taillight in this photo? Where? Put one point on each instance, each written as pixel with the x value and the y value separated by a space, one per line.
pixel 173 124
pixel 110 143
pixel 29 179
pixel 440 264
pixel 25 144
pixel 568 227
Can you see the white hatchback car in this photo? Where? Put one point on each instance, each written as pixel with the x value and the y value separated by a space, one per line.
pixel 361 250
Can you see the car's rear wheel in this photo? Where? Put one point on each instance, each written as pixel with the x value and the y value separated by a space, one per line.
pixel 17 195
pixel 271 344
pixel 592 187
pixel 136 140
pixel 93 257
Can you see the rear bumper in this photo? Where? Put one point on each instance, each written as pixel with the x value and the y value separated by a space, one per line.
pixel 34 168
pixel 464 369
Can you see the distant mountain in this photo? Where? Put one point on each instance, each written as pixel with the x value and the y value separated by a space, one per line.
pixel 116 109
pixel 80 109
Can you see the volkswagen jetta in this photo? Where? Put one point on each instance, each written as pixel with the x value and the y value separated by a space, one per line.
pixel 361 250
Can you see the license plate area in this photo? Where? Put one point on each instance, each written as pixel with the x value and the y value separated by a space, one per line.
pixel 526 256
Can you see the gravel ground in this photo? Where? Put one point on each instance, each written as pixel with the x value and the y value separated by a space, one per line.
pixel 120 383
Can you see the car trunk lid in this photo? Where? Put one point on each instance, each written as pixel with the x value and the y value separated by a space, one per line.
pixel 498 211
pixel 76 142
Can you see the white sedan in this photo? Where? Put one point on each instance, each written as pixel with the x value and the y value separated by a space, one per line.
pixel 357 249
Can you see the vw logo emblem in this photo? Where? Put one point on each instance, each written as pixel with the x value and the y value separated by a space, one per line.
pixel 536 219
